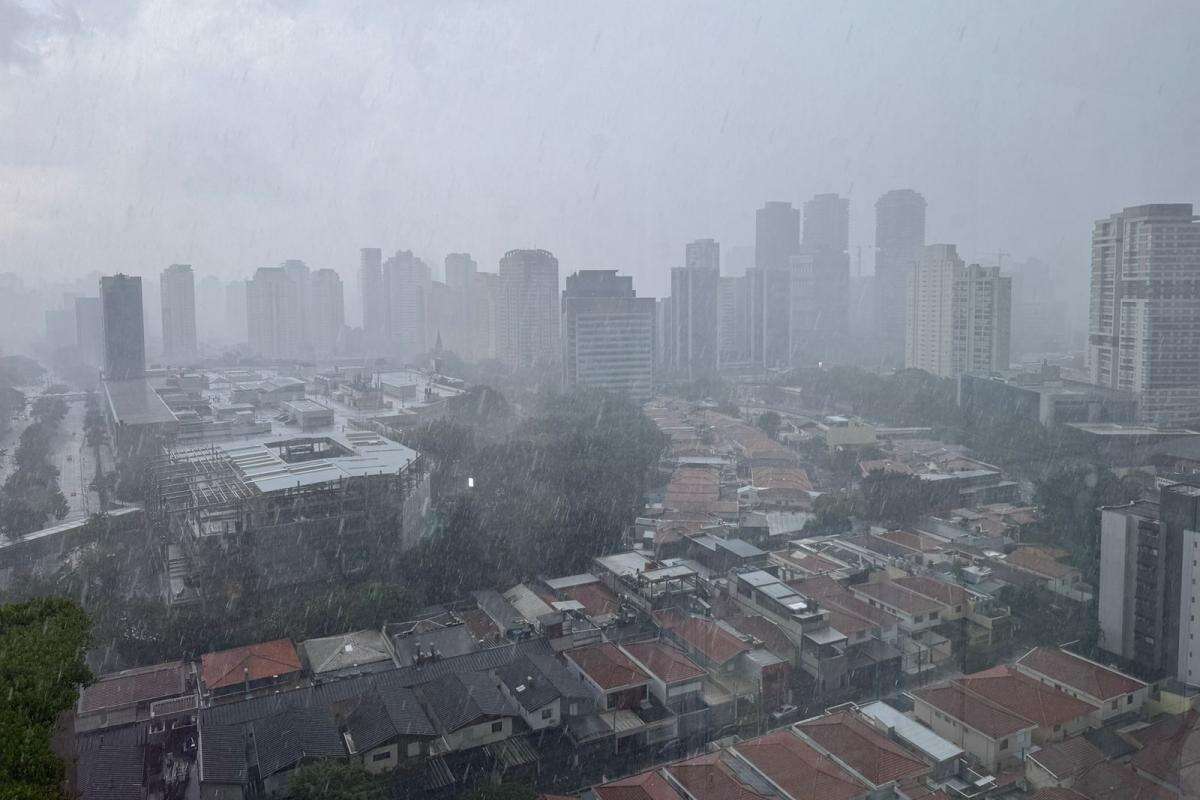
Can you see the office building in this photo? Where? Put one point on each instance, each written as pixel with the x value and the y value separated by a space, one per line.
pixel 123 327
pixel 899 241
pixel 89 331
pixel 959 316
pixel 300 275
pixel 178 288
pixel 528 313
pixel 776 235
pixel 483 302
pixel 407 285
pixel 460 270
pixel 1148 602
pixel 371 293
pixel 607 334
pixel 274 316
pixel 1144 325
pixel 693 309
pixel 327 311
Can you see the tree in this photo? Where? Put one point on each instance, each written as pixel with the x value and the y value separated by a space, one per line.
pixel 501 791
pixel 768 422
pixel 833 512
pixel 42 643
pixel 336 780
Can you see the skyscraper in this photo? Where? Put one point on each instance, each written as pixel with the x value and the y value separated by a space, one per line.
pixel 327 311
pixel 210 310
pixel 608 334
pixel 374 300
pixel 123 326
pixel 178 313
pixel 407 284
pixel 89 331
pixel 460 269
pixel 733 326
pixel 821 281
pixel 769 312
pixel 899 240
pixel 693 309
pixel 959 317
pixel 273 314
pixel 1144 324
pixel 528 318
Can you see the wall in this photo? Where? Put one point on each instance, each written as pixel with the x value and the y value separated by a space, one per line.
pixel 982 747
pixel 479 735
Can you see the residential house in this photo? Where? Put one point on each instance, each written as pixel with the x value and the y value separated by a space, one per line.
pixel 253 669
pixel 994 736
pixel 1112 692
pixel 123 697
pixel 468 710
pixel 347 654
pixel 543 690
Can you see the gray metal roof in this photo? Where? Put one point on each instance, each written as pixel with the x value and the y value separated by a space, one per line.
pixel 283 739
pixel 911 732
pixel 455 640
pixel 346 651
pixel 111 763
pixel 456 701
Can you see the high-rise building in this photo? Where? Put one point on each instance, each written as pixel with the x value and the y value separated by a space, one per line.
pixel 374 299
pixel 235 311
pixel 301 276
pixel 607 334
pixel 123 327
pixel 528 320
pixel 1144 325
pixel 959 317
pixel 1148 601
pixel 274 314
pixel 407 284
pixel 178 288
pixel 821 282
pixel 899 241
pixel 769 311
pixel 210 310
pixel 460 269
pixel 483 302
pixel 693 309
pixel 89 331
pixel 60 327
pixel 327 311
pixel 733 324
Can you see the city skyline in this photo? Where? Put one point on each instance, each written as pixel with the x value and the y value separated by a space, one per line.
pixel 608 190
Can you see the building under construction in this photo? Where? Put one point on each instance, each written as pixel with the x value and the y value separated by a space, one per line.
pixel 283 510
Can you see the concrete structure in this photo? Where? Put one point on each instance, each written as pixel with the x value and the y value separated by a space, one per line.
pixel 899 241
pixel 460 270
pixel 693 319
pixel 1043 396
pixel 1144 323
pixel 1147 601
pixel 527 331
pixel 122 324
pixel 959 316
pixel 178 288
pixel 608 334
pixel 274 314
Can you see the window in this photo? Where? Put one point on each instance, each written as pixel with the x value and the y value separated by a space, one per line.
pixel 547 713
pixel 1129 700
pixel 1057 728
pixel 384 756
pixel 1114 705
pixel 958 609
pixel 1004 744
pixel 919 618
pixel 497 726
pixel 933 615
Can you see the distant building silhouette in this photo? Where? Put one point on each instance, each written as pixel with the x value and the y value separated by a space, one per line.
pixel 899 241
pixel 178 288
pixel 122 323
pixel 608 334
pixel 527 329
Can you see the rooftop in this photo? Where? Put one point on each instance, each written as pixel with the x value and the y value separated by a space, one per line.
pixel 133 686
pixel 345 651
pixel 134 402
pixel 868 752
pixel 799 769
pixel 970 709
pixel 1026 697
pixel 665 662
pixel 607 666
pixel 894 596
pixel 703 635
pixel 252 662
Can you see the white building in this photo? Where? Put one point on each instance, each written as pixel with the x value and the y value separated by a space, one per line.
pixel 1144 322
pixel 274 314
pixel 527 324
pixel 608 334
pixel 959 316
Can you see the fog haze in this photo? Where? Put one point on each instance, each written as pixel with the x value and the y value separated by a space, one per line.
pixel 230 137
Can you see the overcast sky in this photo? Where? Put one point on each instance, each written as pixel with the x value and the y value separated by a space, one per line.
pixel 232 135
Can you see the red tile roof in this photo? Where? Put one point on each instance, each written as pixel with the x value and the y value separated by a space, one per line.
pixel 597 599
pixel 1040 562
pixel 132 686
pixel 648 785
pixel 864 749
pixel 973 710
pixel 254 662
pixel 1026 697
pixel 665 662
pixel 707 777
pixel 1069 757
pixel 943 592
pixel 815 564
pixel 851 611
pixel 607 666
pixel 1080 674
pixel 889 594
pixel 799 769
pixel 792 479
pixel 703 635
pixel 1109 781
pixel 1171 751
pixel 913 541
